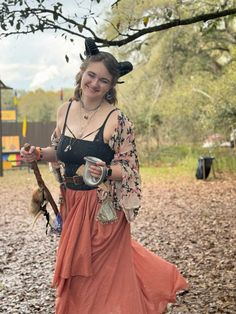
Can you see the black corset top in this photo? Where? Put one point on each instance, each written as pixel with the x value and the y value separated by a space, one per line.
pixel 71 151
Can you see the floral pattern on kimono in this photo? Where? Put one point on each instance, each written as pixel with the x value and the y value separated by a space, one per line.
pixel 125 194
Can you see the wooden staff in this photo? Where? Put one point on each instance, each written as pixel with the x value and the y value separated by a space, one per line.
pixel 41 184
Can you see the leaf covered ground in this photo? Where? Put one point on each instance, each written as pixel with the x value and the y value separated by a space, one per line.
pixel 188 222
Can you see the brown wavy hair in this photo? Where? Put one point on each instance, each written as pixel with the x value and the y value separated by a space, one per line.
pixel 112 66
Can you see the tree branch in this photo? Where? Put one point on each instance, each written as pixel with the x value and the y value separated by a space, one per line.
pixel 174 23
pixel 44 23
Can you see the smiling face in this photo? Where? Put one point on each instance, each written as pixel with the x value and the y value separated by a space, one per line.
pixel 96 81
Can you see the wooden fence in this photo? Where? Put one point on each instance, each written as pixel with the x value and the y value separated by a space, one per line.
pixel 38 133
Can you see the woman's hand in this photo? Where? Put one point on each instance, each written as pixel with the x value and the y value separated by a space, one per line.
pixel 29 156
pixel 95 170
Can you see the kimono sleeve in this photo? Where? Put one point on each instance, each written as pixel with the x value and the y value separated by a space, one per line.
pixel 126 194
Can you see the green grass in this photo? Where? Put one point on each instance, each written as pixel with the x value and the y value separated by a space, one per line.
pixel 167 163
pixel 169 155
pixel 186 169
pixel 18 176
pixel 182 161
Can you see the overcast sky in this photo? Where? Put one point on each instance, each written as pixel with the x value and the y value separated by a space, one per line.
pixel 38 61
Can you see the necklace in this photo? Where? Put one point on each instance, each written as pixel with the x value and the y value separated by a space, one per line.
pixel 83 126
pixel 88 118
pixel 87 111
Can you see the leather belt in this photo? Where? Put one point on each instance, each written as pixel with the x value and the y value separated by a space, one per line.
pixel 77 180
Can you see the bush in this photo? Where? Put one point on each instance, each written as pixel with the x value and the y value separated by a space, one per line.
pixel 185 157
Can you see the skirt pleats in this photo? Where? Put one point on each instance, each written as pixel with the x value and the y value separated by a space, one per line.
pixel 101 270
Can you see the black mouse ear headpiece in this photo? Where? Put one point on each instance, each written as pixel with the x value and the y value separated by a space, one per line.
pixel 125 67
pixel 91 49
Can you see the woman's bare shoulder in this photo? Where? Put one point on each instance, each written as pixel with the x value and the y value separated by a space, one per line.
pixel 119 117
pixel 62 109
pixel 61 113
pixel 113 116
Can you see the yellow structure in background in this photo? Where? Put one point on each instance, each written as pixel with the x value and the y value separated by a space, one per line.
pixel 11 148
pixel 24 127
pixel 15 100
pixel 12 159
pixel 10 143
pixel 8 115
pixel 6 164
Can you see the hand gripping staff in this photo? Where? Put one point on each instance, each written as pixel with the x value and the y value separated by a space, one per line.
pixel 56 226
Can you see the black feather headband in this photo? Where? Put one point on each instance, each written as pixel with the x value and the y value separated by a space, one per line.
pixel 91 49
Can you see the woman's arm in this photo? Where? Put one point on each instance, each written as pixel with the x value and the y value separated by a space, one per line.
pixel 116 171
pixel 46 153
pixel 126 193
pixel 49 154
pixel 37 153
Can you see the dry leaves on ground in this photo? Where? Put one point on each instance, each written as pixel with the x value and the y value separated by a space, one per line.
pixel 189 223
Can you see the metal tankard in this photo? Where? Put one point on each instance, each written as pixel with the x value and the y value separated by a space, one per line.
pixel 87 177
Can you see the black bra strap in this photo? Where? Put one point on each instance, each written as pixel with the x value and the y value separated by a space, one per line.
pixel 89 134
pixel 100 129
pixel 104 123
pixel 67 112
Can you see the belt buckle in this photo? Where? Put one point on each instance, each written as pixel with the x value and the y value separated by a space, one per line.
pixel 74 180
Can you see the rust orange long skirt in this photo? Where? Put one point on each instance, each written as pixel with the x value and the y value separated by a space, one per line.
pixel 101 270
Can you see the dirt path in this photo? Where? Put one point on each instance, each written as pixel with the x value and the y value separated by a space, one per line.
pixel 191 224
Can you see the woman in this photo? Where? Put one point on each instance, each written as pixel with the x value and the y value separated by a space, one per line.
pixel 99 269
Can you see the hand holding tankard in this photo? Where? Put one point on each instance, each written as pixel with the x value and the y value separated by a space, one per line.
pixel 90 179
